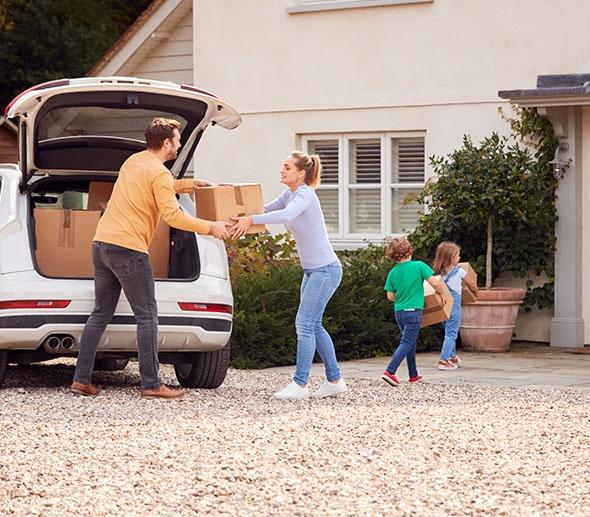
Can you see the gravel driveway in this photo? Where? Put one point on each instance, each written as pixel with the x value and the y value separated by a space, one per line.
pixel 428 449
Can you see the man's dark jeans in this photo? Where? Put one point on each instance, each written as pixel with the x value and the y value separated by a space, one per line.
pixel 116 267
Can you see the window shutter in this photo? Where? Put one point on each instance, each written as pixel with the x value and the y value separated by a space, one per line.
pixel 405 210
pixel 409 158
pixel 329 203
pixel 365 211
pixel 365 161
pixel 328 153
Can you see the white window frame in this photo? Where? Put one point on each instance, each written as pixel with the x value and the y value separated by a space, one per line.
pixel 344 236
pixel 307 6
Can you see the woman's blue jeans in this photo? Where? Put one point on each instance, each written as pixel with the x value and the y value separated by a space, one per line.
pixel 409 325
pixel 317 288
pixel 449 348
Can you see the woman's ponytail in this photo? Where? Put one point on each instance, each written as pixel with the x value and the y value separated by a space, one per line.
pixel 311 164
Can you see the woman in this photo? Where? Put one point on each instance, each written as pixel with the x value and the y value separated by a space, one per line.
pixel 298 207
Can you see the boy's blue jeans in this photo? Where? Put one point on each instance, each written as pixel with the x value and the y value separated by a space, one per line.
pixel 409 324
pixel 317 288
pixel 449 347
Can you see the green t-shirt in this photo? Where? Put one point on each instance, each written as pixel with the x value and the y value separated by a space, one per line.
pixel 406 280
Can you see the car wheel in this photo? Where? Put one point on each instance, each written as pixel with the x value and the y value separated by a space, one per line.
pixel 206 370
pixel 3 365
pixel 110 365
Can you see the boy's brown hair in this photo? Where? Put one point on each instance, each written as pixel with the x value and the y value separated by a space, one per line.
pixel 158 130
pixel 398 249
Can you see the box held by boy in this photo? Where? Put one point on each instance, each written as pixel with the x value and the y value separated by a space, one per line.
pixel 435 311
pixel 467 295
pixel 221 202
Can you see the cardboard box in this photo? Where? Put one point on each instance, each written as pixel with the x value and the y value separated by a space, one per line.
pixel 99 193
pixel 64 241
pixel 434 309
pixel 220 202
pixel 159 250
pixel 467 295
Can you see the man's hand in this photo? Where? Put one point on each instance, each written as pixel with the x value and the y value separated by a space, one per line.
pixel 203 183
pixel 219 230
pixel 241 225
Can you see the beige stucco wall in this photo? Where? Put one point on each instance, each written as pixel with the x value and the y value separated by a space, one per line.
pixel 432 67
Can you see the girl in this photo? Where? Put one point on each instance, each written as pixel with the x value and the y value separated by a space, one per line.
pixel 445 264
pixel 298 207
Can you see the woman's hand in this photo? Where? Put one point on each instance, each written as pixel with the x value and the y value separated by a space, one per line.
pixel 203 183
pixel 241 225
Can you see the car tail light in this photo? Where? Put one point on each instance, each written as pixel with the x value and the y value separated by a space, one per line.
pixel 34 304
pixel 205 307
pixel 42 86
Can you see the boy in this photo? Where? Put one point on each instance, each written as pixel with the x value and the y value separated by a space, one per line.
pixel 404 287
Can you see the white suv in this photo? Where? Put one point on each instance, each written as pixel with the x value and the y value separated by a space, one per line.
pixel 73 136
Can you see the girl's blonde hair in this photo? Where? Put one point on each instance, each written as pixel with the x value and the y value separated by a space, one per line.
pixel 311 164
pixel 445 252
pixel 399 248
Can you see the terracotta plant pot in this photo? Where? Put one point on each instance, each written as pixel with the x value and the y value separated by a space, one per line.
pixel 487 325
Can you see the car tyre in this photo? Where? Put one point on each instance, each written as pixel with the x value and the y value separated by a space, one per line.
pixel 3 365
pixel 206 370
pixel 109 364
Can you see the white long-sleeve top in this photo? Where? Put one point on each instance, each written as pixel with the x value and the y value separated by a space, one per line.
pixel 301 213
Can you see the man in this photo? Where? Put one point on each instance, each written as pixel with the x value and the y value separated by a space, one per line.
pixel 144 190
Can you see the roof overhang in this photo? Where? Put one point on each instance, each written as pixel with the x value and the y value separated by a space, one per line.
pixel 151 27
pixel 8 124
pixel 553 91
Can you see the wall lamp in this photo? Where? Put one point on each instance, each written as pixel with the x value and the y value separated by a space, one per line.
pixel 559 165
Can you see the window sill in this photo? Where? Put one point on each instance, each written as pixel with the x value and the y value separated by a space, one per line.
pixel 350 4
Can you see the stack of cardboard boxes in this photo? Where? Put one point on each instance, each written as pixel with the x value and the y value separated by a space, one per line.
pixel 64 237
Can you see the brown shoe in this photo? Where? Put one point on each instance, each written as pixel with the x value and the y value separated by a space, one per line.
pixel 163 392
pixel 88 390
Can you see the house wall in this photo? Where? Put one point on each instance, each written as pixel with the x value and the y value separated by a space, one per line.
pixel 172 60
pixel 433 67
pixel 8 150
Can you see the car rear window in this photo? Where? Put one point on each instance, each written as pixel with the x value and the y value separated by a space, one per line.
pixel 99 121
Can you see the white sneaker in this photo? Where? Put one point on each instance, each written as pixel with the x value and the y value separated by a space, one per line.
pixel 331 389
pixel 293 391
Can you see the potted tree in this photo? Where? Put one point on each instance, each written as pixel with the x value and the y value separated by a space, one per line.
pixel 497 201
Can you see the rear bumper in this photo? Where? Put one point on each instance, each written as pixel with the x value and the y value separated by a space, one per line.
pixel 175 333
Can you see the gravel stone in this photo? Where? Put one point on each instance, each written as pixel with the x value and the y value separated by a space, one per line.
pixel 429 449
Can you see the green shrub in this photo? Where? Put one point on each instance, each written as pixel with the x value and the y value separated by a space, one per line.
pixel 502 185
pixel 266 277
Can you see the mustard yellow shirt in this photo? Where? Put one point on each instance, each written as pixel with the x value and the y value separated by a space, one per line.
pixel 144 190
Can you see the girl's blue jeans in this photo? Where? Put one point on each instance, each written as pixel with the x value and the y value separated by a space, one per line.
pixel 317 287
pixel 449 347
pixel 409 325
